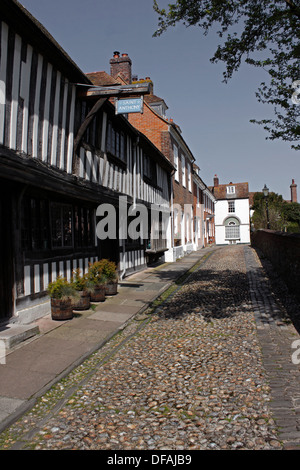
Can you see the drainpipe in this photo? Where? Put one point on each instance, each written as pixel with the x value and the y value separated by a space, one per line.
pixel 123 260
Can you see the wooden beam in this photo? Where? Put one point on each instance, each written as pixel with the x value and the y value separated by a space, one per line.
pixel 91 115
pixel 111 91
pixel 38 174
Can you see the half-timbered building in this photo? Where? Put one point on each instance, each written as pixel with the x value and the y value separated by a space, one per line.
pixel 63 154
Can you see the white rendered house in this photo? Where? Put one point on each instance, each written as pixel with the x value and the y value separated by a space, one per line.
pixel 232 213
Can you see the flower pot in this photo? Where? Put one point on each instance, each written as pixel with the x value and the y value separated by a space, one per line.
pixel 83 302
pixel 98 294
pixel 61 309
pixel 111 288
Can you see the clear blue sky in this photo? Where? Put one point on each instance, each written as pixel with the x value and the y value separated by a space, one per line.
pixel 213 116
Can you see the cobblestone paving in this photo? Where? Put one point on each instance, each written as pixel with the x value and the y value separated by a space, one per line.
pixel 192 376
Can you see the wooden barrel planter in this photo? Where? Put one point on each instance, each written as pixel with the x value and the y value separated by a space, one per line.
pixel 98 294
pixel 111 288
pixel 83 302
pixel 61 309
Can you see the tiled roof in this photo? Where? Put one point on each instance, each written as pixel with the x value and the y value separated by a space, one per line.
pixel 102 79
pixel 251 198
pixel 150 99
pixel 241 191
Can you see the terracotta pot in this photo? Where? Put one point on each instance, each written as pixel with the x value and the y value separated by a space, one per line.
pixel 111 288
pixel 61 309
pixel 83 303
pixel 98 294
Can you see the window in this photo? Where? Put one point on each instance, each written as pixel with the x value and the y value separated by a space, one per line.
pixel 175 152
pixel 232 231
pixel 232 228
pixel 231 206
pixel 116 142
pixel 50 225
pixel 230 189
pixel 150 174
pixel 147 167
pixel 84 227
pixel 61 225
pixel 176 222
pixel 183 170
pixel 35 224
pixel 189 178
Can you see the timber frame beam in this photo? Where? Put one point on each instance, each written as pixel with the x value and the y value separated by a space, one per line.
pixel 91 115
pixel 104 93
pixel 113 91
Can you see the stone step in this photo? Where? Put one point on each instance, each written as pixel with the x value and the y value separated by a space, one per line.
pixel 13 334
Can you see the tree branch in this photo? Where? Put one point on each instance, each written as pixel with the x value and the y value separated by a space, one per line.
pixel 293 8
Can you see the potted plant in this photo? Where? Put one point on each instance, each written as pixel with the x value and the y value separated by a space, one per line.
pixel 62 294
pixel 81 286
pixel 96 280
pixel 109 270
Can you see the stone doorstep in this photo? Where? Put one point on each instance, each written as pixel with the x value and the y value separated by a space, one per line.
pixel 13 334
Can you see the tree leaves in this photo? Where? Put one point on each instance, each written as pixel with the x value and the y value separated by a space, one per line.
pixel 283 215
pixel 262 33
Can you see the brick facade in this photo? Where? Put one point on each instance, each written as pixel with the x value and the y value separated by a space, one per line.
pixel 153 126
pixel 164 134
pixel 167 137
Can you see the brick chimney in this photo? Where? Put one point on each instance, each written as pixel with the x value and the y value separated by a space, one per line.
pixel 216 181
pixel 121 65
pixel 293 191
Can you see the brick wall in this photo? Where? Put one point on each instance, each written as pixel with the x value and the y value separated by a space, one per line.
pixel 155 128
pixel 283 251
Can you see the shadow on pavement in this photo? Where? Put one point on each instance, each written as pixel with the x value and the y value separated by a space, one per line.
pixel 213 294
pixel 284 296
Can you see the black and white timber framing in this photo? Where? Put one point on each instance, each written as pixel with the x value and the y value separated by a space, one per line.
pixel 52 183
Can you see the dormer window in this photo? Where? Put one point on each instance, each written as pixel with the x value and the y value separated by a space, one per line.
pixel 230 189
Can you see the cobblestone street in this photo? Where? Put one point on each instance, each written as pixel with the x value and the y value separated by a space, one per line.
pixel 211 368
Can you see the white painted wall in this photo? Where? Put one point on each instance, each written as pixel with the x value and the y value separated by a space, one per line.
pixel 241 213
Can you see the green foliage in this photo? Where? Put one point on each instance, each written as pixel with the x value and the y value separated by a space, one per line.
pixel 262 33
pixel 274 200
pixel 291 212
pixel 79 281
pixel 283 215
pixel 293 227
pixel 61 289
pixel 102 271
pixel 109 269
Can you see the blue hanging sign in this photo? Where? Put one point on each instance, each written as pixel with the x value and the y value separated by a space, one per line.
pixel 129 105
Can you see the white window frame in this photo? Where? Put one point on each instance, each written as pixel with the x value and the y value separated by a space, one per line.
pixel 232 231
pixel 175 221
pixel 231 207
pixel 175 152
pixel 230 189
pixel 189 177
pixel 183 171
